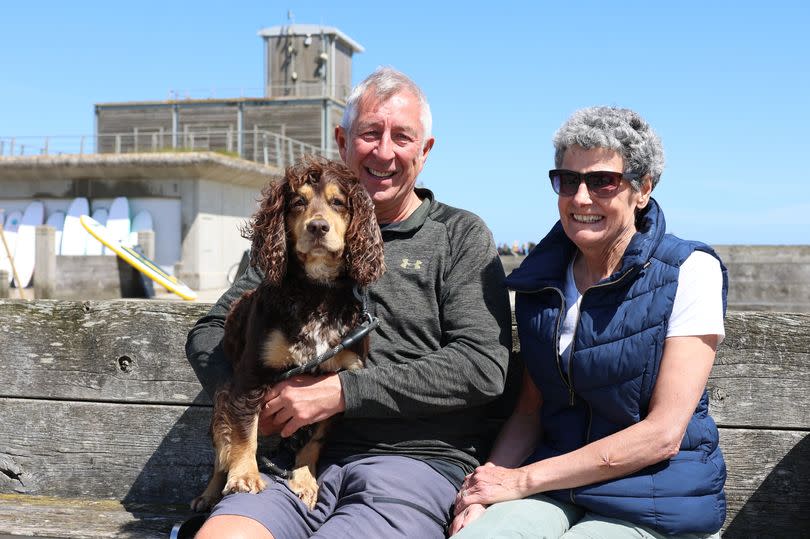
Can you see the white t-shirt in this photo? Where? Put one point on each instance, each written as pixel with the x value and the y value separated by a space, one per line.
pixel 697 309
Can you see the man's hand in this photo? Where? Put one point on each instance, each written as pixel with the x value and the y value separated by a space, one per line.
pixel 300 401
pixel 471 513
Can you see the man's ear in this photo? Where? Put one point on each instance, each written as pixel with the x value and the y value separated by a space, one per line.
pixel 427 147
pixel 341 139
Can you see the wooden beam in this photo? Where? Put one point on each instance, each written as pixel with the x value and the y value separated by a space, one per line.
pixel 118 351
pixel 100 403
pixel 129 452
pixel 44 516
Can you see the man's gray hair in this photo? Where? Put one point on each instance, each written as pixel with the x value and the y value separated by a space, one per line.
pixel 384 83
pixel 612 128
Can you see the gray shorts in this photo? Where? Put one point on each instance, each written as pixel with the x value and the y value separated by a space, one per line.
pixel 380 496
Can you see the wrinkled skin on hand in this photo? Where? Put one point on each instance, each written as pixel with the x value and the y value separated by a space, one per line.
pixel 490 484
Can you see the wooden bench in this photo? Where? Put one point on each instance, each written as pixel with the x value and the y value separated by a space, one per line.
pixel 103 424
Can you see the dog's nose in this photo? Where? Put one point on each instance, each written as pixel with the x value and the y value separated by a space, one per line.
pixel 318 227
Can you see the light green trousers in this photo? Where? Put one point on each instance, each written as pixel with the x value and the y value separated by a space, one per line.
pixel 542 517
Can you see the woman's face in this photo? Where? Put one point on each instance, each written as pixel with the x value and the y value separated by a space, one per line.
pixel 598 225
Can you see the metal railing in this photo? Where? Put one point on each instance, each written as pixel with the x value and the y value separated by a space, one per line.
pixel 46 145
pixel 298 89
pixel 257 144
pixel 213 93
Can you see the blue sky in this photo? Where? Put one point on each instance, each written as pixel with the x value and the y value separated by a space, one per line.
pixel 725 84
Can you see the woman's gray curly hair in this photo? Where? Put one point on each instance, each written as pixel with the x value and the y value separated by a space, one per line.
pixel 612 128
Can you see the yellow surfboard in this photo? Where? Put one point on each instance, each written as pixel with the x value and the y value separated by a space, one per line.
pixel 137 260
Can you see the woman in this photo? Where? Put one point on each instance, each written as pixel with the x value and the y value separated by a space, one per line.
pixel 618 325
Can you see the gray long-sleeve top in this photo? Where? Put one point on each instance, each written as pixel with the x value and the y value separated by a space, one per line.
pixel 438 360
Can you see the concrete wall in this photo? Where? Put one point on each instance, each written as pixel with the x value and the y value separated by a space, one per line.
pixel 214 237
pixel 761 277
pixel 768 277
pixel 95 278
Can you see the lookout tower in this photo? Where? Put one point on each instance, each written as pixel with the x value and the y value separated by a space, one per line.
pixel 307 60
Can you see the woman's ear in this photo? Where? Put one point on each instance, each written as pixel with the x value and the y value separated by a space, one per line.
pixel 644 193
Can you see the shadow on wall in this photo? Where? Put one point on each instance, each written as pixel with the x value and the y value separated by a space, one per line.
pixel 774 509
pixel 176 472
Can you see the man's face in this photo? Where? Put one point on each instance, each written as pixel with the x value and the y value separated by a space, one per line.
pixel 384 147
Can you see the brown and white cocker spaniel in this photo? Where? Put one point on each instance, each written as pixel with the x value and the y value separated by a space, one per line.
pixel 316 239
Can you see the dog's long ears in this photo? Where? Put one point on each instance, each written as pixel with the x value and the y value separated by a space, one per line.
pixel 267 233
pixel 364 252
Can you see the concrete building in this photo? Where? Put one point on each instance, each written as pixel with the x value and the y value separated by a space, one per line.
pixel 307 78
pixel 198 164
pixel 198 200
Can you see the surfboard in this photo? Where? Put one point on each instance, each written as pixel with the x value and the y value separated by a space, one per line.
pixel 118 222
pixel 74 236
pixel 10 232
pixel 25 253
pixel 137 260
pixel 57 221
pixel 95 247
pixel 141 221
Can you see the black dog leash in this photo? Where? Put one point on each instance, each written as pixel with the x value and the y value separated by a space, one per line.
pixel 368 324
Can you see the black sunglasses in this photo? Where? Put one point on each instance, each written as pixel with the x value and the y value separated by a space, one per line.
pixel 600 183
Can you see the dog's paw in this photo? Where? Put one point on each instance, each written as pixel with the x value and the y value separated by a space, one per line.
pixel 305 487
pixel 309 496
pixel 246 482
pixel 204 503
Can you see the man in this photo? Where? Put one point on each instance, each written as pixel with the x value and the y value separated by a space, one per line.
pixel 415 420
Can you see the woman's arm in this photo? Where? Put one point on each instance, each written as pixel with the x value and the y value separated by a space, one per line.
pixel 515 442
pixel 684 371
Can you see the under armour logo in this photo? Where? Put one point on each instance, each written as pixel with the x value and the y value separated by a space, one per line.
pixel 407 264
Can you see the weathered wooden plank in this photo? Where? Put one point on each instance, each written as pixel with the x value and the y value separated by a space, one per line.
pixel 85 519
pixel 150 454
pixel 761 372
pixel 133 453
pixel 768 486
pixel 72 350
pixel 127 351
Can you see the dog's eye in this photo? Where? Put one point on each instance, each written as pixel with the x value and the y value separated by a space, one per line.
pixel 338 203
pixel 298 202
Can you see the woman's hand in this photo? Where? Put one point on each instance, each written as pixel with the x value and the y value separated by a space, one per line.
pixel 469 514
pixel 490 484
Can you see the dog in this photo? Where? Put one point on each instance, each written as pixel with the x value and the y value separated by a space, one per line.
pixel 316 239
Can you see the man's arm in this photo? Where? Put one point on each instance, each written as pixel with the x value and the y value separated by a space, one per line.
pixel 204 343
